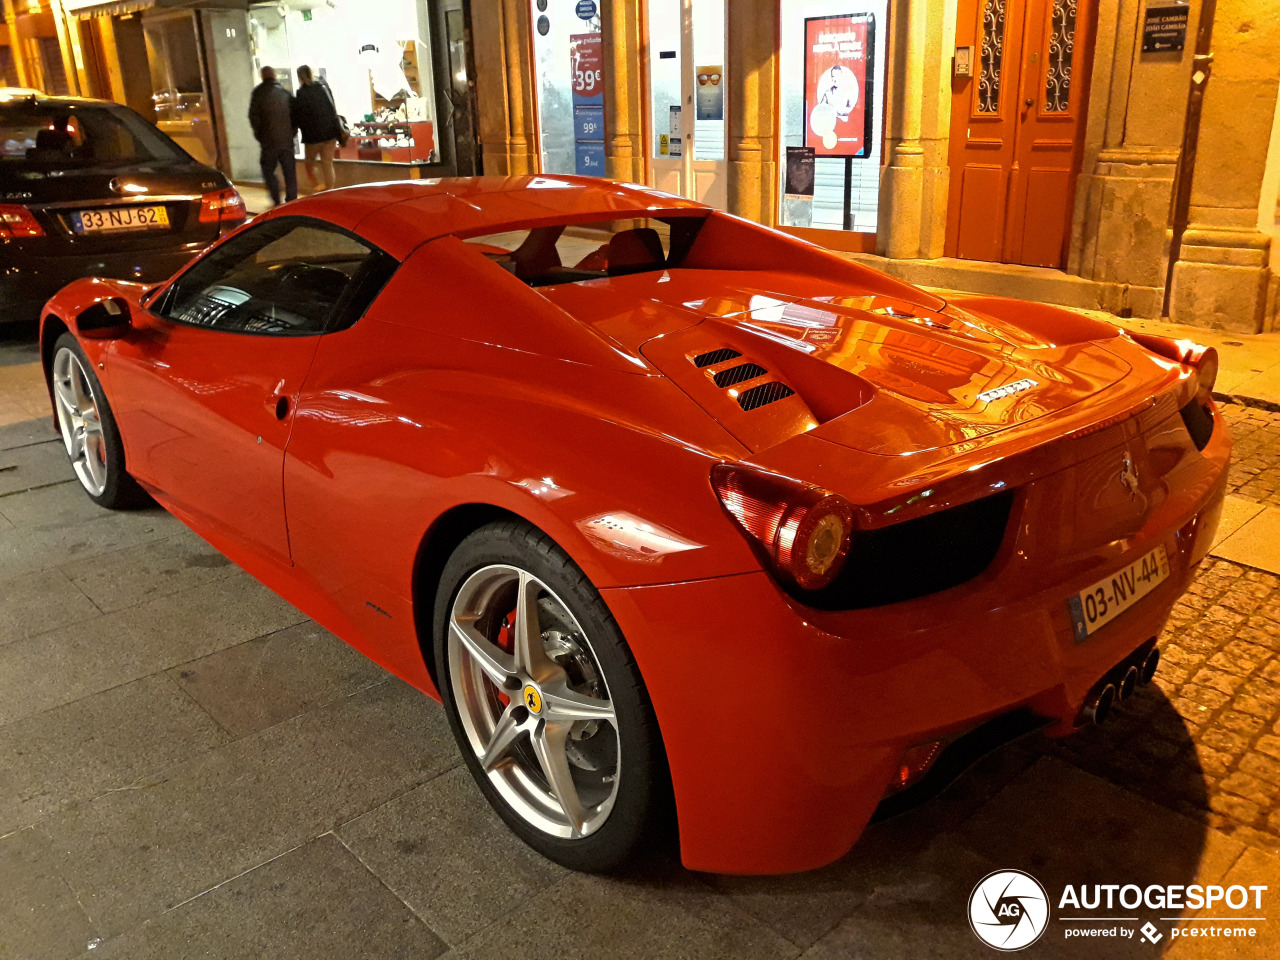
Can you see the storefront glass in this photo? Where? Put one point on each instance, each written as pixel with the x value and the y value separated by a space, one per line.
pixel 832 66
pixel 375 56
pixel 568 60
pixel 177 82
pixel 687 98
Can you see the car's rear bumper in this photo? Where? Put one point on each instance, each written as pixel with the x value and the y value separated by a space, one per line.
pixel 785 726
pixel 28 281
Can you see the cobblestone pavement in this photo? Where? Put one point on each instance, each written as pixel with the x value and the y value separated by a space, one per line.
pixel 1255 466
pixel 1221 673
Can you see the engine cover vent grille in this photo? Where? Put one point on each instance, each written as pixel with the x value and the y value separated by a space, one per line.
pixel 715 356
pixel 764 394
pixel 743 371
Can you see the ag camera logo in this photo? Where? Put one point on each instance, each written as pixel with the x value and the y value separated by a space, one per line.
pixel 1008 910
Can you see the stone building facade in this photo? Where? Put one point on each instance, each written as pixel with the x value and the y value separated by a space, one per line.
pixel 1128 143
pixel 1031 148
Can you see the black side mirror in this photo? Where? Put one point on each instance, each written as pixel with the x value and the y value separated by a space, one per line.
pixel 104 320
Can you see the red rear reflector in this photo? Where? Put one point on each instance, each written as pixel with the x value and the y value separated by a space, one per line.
pixel 222 206
pixel 17 221
pixel 915 764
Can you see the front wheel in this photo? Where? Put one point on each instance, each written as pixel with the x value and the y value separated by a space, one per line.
pixel 546 701
pixel 89 430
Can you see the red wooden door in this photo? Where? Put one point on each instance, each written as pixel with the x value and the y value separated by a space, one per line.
pixel 1017 128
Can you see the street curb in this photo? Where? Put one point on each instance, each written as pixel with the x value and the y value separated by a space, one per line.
pixel 1269 405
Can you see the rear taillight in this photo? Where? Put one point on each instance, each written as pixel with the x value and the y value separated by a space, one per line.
pixel 17 221
pixel 222 206
pixel 1203 359
pixel 802 530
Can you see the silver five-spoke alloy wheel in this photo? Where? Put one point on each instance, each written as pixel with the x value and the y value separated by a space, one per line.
pixel 80 421
pixel 533 701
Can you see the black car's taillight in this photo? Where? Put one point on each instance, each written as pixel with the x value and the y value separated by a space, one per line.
pixel 17 221
pixel 222 206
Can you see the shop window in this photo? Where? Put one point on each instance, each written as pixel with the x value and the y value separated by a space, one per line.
pixel 375 58
pixel 568 63
pixel 832 70
pixel 173 52
pixel 177 83
pixel 1062 46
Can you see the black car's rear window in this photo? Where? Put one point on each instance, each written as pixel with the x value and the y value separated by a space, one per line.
pixel 50 136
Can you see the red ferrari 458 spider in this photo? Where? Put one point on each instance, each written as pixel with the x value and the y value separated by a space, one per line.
pixel 669 509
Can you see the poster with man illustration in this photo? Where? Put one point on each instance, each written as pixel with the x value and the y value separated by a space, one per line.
pixel 838 56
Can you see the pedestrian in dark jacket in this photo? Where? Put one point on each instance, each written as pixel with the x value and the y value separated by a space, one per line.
pixel 316 118
pixel 271 116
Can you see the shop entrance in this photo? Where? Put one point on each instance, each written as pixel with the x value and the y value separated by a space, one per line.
pixel 1017 127
pixel 687 93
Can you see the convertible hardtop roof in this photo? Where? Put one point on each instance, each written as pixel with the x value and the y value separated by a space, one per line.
pixel 402 214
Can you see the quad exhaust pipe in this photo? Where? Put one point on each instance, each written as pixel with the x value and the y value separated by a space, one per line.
pixel 1098 707
pixel 1149 665
pixel 1121 683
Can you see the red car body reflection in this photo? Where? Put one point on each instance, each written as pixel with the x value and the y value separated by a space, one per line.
pixel 340 469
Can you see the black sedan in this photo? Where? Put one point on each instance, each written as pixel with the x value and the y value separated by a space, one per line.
pixel 90 188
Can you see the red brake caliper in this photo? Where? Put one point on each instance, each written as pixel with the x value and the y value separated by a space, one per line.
pixel 507 644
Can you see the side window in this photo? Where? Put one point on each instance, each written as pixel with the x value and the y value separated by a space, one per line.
pixel 291 276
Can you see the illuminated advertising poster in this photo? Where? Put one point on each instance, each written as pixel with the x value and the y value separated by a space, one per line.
pixel 838 58
pixel 586 60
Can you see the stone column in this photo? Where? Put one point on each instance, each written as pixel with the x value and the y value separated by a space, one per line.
pixel 1133 135
pixel 1222 273
pixel 751 76
pixel 624 96
pixel 504 87
pixel 913 190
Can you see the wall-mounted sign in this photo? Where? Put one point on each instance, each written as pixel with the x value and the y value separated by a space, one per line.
pixel 797 191
pixel 586 62
pixel 1165 28
pixel 799 181
pixel 839 53
pixel 586 9
pixel 709 93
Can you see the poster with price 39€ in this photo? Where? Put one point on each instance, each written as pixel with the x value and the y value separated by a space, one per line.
pixel 586 61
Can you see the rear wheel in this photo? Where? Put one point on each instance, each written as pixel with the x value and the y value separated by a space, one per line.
pixel 89 430
pixel 545 699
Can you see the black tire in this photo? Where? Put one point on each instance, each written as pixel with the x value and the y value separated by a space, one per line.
pixel 640 820
pixel 121 491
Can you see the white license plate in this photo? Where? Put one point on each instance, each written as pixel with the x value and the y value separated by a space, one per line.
pixel 1094 607
pixel 120 218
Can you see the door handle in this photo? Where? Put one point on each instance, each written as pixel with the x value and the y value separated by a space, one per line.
pixel 281 407
pixel 1028 102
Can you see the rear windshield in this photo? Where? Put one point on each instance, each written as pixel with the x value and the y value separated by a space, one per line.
pixel 43 137
pixel 570 253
